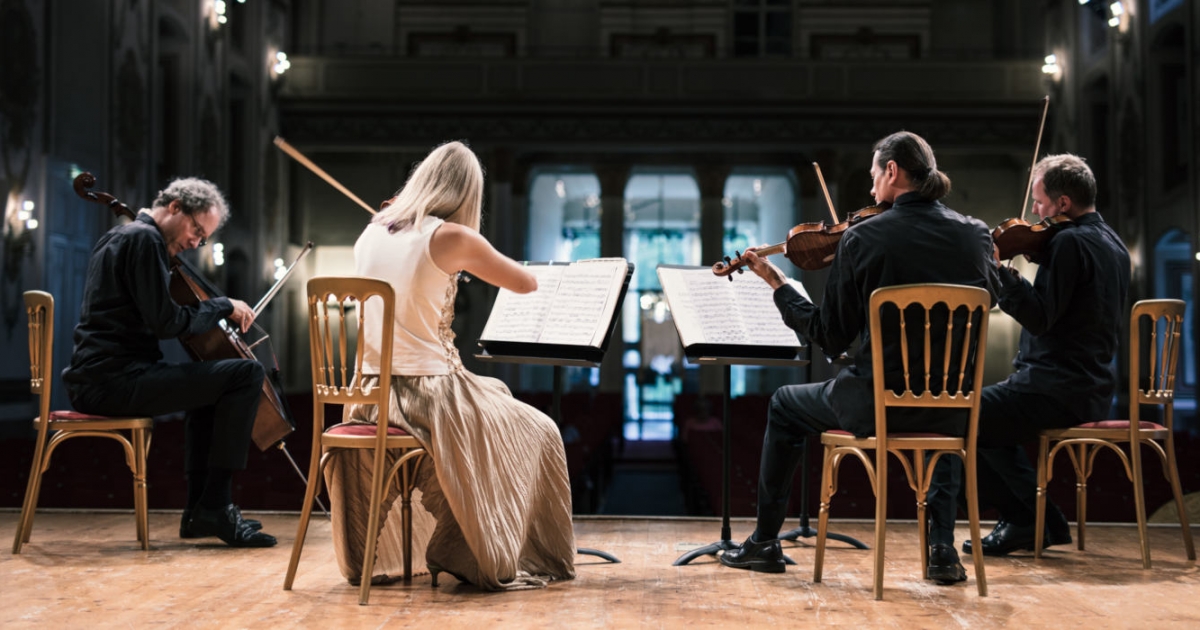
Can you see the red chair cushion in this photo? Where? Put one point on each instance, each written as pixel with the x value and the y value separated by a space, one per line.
pixel 74 416
pixel 1144 425
pixel 897 435
pixel 362 430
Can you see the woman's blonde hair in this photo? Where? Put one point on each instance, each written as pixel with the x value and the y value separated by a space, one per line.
pixel 447 184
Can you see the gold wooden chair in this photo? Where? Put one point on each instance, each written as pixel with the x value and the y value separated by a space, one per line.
pixel 332 302
pixel 55 427
pixel 1151 365
pixel 968 336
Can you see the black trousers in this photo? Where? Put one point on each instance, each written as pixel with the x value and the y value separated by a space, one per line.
pixel 1007 479
pixel 221 396
pixel 797 412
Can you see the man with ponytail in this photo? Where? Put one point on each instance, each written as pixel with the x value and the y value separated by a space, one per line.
pixel 918 240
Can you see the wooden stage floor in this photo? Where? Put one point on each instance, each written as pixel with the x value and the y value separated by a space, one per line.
pixel 85 570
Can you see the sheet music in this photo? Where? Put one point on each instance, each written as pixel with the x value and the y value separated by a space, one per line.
pixel 582 304
pixel 708 309
pixel 521 316
pixel 573 305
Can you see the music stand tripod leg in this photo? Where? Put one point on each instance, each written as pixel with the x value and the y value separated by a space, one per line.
pixel 725 544
pixel 804 531
pixel 556 409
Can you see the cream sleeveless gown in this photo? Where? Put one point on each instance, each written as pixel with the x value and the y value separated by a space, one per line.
pixel 493 500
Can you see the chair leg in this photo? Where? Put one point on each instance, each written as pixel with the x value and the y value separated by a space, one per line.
pixel 1173 474
pixel 1139 500
pixel 828 469
pixel 378 485
pixel 29 505
pixel 42 463
pixel 880 517
pixel 140 503
pixel 925 472
pixel 407 472
pixel 1081 478
pixel 973 518
pixel 1039 521
pixel 310 495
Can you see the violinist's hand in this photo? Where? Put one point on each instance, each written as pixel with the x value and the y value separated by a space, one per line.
pixel 764 268
pixel 242 315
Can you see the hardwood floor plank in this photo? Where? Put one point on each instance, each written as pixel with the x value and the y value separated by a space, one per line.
pixel 86 569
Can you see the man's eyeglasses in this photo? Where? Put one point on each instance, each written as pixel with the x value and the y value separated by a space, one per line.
pixel 198 231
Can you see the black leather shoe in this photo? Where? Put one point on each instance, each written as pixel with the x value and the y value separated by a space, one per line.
pixel 1007 538
pixel 944 567
pixel 764 557
pixel 185 529
pixel 227 524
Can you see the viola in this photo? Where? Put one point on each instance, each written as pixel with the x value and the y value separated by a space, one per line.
pixel 273 421
pixel 1016 237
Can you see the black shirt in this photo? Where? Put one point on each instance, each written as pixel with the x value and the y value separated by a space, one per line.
pixel 1071 317
pixel 127 306
pixel 915 241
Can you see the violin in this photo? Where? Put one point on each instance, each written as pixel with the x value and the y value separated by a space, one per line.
pixel 273 421
pixel 1016 237
pixel 809 246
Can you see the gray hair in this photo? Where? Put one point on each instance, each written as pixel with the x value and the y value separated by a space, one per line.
pixel 194 195
pixel 1068 175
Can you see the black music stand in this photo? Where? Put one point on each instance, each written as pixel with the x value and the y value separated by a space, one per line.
pixel 725 544
pixel 555 405
pixel 804 531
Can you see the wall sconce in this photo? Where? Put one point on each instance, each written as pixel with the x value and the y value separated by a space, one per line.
pixel 1051 67
pixel 280 269
pixel 1117 10
pixel 280 64
pixel 218 254
pixel 19 224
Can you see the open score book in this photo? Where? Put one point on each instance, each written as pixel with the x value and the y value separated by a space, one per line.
pixel 716 317
pixel 571 315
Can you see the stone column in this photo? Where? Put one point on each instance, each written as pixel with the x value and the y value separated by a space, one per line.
pixel 711 179
pixel 613 178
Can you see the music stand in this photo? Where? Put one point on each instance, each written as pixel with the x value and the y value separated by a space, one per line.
pixel 725 544
pixel 804 531
pixel 555 405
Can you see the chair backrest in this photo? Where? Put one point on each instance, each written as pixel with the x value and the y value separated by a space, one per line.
pixel 941 336
pixel 40 307
pixel 1152 364
pixel 335 313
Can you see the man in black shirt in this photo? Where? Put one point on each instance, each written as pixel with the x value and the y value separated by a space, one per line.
pixel 117 368
pixel 917 240
pixel 1071 318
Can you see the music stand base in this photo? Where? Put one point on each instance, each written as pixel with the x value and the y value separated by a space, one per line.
pixel 584 551
pixel 805 531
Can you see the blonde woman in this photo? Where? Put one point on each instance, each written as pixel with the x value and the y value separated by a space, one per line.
pixel 493 501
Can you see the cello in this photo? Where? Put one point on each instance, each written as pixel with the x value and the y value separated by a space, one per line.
pixel 809 246
pixel 273 420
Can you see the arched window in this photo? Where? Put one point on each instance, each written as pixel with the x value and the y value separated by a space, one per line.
pixel 1173 280
pixel 760 208
pixel 662 226
pixel 564 215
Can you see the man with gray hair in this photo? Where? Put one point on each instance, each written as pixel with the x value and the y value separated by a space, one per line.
pixel 1071 319
pixel 117 368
